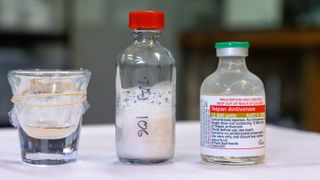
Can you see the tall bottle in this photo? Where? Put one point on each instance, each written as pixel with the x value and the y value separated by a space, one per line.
pixel 145 94
pixel 232 110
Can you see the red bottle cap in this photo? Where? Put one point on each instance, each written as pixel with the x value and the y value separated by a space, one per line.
pixel 146 20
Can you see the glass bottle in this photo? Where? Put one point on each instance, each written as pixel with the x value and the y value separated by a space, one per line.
pixel 232 110
pixel 145 94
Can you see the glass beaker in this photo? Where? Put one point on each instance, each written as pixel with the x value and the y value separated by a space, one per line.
pixel 48 109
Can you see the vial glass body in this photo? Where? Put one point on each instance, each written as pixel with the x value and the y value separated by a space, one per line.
pixel 145 101
pixel 231 79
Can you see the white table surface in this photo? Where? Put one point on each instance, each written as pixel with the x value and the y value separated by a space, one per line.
pixel 291 154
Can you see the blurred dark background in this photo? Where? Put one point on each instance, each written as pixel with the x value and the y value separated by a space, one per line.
pixel 64 34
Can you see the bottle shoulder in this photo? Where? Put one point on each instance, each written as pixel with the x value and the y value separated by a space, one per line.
pixel 146 53
pixel 232 84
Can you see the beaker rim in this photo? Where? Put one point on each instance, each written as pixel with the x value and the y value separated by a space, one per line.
pixel 50 72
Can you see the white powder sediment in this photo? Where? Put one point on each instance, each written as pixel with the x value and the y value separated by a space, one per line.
pixel 157 105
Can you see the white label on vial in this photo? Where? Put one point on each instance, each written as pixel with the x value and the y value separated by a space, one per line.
pixel 232 126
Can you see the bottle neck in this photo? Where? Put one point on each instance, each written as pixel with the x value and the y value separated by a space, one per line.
pixel 237 64
pixel 146 36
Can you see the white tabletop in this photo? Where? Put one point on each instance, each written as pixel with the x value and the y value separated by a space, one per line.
pixel 291 154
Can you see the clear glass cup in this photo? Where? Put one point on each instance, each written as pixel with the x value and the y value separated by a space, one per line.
pixel 48 109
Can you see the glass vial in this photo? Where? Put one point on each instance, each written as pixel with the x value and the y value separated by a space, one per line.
pixel 145 94
pixel 232 110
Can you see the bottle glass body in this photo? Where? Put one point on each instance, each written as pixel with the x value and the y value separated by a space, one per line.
pixel 145 101
pixel 231 79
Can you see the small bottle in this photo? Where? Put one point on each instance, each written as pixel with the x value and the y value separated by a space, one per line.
pixel 145 94
pixel 232 110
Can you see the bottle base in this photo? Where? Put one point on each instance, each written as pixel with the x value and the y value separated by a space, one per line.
pixel 49 159
pixel 250 160
pixel 144 161
pixel 49 151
